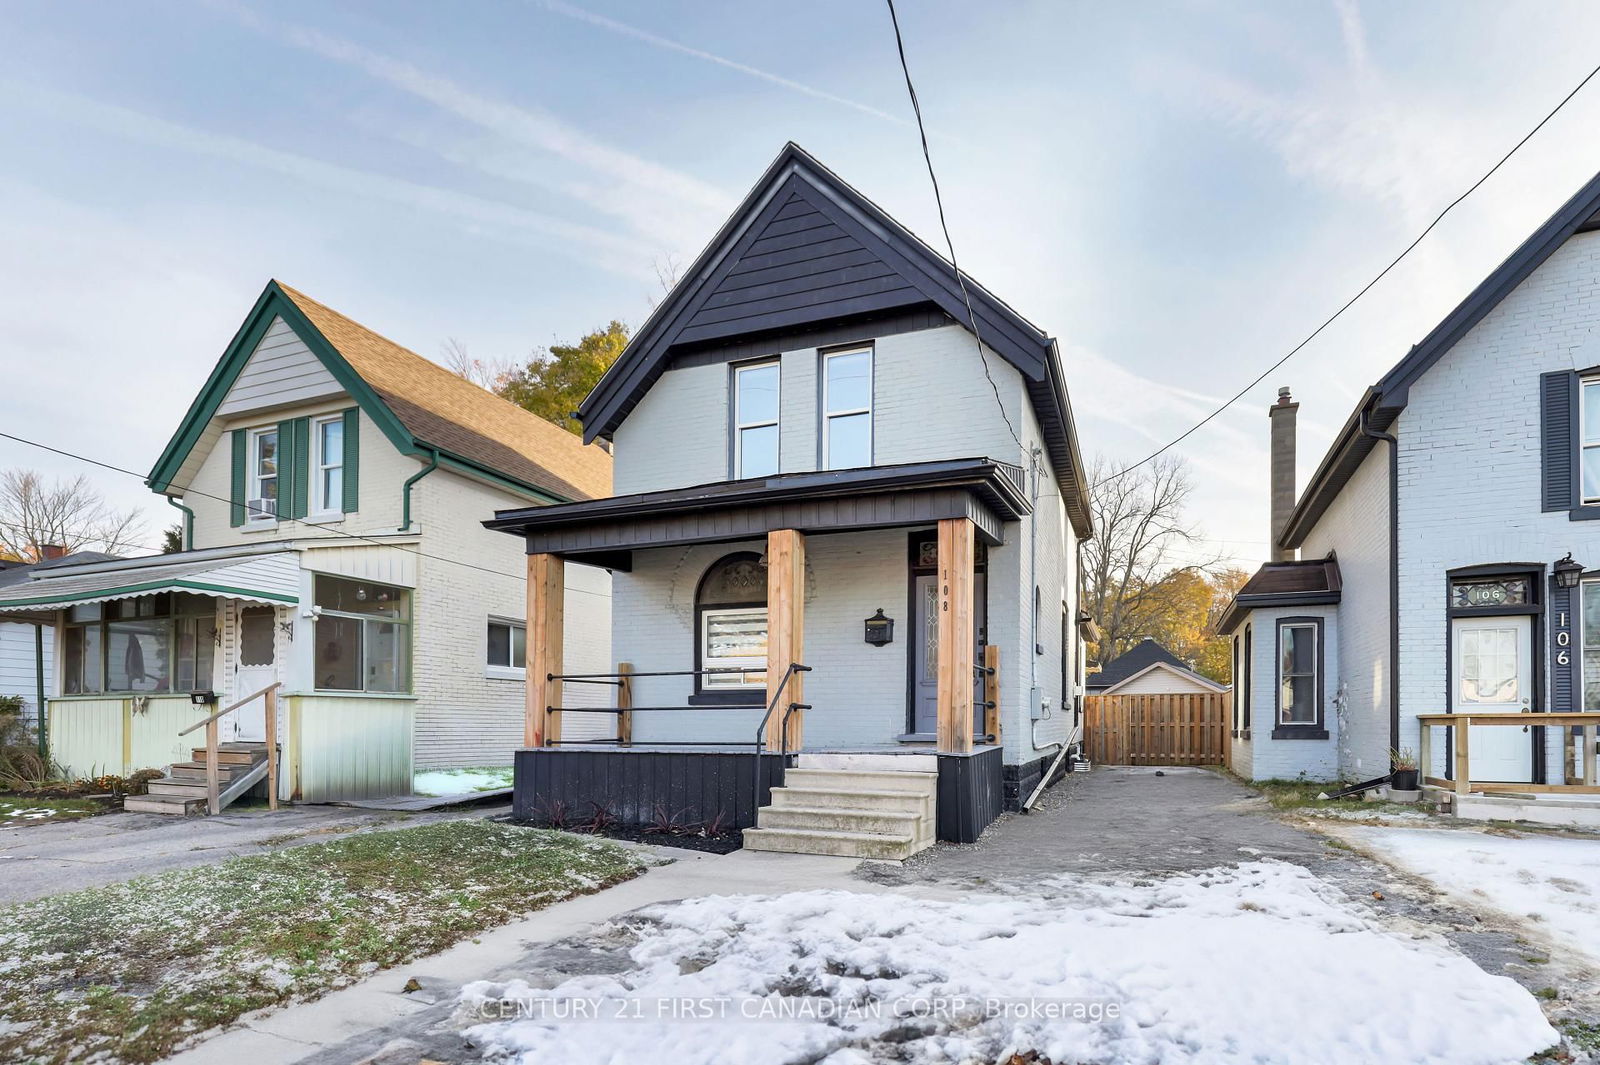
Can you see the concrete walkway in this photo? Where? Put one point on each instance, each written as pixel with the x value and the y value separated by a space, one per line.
pixel 357 1023
pixel 51 859
pixel 1113 822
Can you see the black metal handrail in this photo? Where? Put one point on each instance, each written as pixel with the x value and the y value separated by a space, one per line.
pixel 761 729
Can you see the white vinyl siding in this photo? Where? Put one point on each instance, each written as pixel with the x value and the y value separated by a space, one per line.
pixel 281 371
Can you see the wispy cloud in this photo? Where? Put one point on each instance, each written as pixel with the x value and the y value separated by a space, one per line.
pixel 489 217
pixel 623 28
pixel 526 144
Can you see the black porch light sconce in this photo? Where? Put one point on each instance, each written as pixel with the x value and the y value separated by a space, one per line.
pixel 880 629
pixel 1568 573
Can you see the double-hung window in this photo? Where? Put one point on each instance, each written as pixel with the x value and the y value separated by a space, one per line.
pixel 1589 439
pixel 507 654
pixel 327 465
pixel 847 409
pixel 263 470
pixel 1299 660
pixel 755 419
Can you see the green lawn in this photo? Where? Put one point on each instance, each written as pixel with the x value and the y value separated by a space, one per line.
pixel 16 811
pixel 127 972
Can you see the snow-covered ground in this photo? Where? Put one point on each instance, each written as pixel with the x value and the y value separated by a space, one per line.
pixel 460 781
pixel 1257 963
pixel 1551 881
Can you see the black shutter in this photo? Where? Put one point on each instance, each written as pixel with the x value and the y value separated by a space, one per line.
pixel 1558 440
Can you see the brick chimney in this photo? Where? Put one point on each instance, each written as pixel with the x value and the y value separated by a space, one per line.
pixel 46 552
pixel 1282 414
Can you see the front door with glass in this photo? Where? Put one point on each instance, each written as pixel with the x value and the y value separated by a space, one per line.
pixel 1491 672
pixel 255 666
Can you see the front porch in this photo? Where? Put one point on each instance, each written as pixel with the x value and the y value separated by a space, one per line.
pixel 785 591
pixel 1568 745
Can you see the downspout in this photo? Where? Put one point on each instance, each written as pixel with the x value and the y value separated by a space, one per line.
pixel 1394 575
pixel 405 492
pixel 187 542
pixel 38 682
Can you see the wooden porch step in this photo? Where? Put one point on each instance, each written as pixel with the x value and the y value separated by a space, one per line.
pixel 232 754
pixel 175 805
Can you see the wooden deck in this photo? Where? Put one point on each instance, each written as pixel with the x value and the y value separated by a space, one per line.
pixel 1583 727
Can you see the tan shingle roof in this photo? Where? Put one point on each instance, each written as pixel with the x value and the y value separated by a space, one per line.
pixel 447 411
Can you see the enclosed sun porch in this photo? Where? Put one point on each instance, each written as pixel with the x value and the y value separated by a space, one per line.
pixel 859 612
pixel 306 671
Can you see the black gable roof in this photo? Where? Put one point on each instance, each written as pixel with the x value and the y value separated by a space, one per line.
pixel 1146 654
pixel 1383 402
pixel 804 248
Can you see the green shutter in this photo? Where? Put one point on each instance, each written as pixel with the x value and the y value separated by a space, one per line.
pixel 236 498
pixel 299 505
pixel 352 460
pixel 287 468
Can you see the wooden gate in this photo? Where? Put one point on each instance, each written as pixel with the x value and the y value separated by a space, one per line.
pixel 1156 729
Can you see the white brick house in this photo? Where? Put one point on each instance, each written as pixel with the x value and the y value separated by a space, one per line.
pixel 332 484
pixel 1441 511
pixel 813 392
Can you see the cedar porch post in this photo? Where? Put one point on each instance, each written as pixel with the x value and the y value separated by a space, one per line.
pixel 786 609
pixel 955 678
pixel 546 610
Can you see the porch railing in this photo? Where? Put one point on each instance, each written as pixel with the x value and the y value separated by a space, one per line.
pixel 1585 726
pixel 214 770
pixel 623 680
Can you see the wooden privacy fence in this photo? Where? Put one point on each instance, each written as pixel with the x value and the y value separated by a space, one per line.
pixel 1156 729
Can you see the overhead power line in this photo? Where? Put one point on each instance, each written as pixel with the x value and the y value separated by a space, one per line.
pixel 297 521
pixel 1361 292
pixel 961 280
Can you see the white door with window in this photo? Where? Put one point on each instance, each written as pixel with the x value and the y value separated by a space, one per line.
pixel 1492 673
pixel 254 667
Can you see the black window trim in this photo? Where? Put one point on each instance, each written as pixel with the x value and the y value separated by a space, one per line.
pixel 1311 730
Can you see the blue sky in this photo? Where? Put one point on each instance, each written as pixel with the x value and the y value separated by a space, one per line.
pixel 1177 191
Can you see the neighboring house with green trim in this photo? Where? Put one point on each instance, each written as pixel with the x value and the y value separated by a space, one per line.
pixel 331 483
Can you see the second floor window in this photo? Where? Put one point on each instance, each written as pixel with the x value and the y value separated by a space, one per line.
pixel 327 474
pixel 847 409
pixel 1589 441
pixel 263 496
pixel 755 420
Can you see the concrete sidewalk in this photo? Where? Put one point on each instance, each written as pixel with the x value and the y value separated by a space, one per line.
pixel 52 859
pixel 354 1024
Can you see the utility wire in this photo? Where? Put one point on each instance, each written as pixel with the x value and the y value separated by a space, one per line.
pixel 972 319
pixel 297 521
pixel 1362 292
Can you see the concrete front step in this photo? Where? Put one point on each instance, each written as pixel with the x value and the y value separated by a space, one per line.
pixel 866 761
pixel 822 841
pixel 905 802
pixel 836 819
pixel 163 804
pixel 862 780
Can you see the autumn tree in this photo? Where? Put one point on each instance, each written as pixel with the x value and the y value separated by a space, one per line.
pixel 1132 567
pixel 554 381
pixel 67 512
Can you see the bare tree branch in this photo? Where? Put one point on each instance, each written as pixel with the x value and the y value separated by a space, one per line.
pixel 71 514
pixel 488 374
pixel 1130 566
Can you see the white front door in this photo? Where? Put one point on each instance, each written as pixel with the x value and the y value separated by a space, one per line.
pixel 254 667
pixel 1491 673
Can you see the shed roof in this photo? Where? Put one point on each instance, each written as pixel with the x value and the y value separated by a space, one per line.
pixel 1148 653
pixel 1298 583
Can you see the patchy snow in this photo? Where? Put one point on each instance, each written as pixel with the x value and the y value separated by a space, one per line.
pixel 1552 881
pixel 1379 813
pixel 1189 969
pixel 440 782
